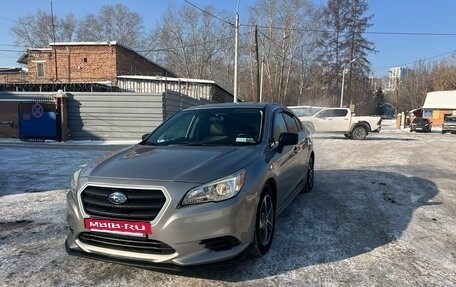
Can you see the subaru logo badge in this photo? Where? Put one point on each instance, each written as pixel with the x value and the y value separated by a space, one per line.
pixel 117 197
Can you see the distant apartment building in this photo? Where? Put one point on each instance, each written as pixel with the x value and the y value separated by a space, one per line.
pixel 394 76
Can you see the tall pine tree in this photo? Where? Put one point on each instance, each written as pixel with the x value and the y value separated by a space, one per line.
pixel 343 40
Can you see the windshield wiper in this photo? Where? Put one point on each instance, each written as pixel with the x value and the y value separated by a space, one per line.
pixel 192 143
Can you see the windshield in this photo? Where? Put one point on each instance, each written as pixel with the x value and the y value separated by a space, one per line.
pixel 305 111
pixel 450 120
pixel 210 127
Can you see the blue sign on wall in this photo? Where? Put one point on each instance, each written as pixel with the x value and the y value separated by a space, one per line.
pixel 427 113
pixel 37 121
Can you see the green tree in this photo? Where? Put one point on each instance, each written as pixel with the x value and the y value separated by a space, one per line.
pixel 343 40
pixel 379 101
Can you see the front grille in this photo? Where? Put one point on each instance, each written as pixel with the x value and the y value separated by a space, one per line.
pixel 142 204
pixel 125 243
pixel 220 243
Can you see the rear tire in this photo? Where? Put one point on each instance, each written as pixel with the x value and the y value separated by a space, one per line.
pixel 264 223
pixel 359 133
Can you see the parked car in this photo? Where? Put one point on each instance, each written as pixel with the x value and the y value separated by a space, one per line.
pixel 449 125
pixel 205 186
pixel 421 125
pixel 340 120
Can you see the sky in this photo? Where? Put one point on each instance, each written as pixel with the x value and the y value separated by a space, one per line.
pixel 398 30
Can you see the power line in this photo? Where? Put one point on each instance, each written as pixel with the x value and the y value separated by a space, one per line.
pixel 189 45
pixel 7 19
pixel 416 61
pixel 210 14
pixel 10 45
pixel 366 32
pixel 16 51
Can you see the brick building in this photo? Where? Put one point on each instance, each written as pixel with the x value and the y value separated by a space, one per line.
pixel 12 75
pixel 439 105
pixel 86 62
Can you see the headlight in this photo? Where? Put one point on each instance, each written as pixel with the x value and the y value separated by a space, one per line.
pixel 215 191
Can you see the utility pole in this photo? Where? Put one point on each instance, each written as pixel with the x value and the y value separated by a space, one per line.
pixel 55 47
pixel 344 71
pixel 257 65
pixel 396 77
pixel 261 80
pixel 236 44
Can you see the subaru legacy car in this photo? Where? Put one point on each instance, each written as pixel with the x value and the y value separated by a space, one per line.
pixel 205 186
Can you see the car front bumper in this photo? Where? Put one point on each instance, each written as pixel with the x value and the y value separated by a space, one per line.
pixel 185 229
pixel 448 128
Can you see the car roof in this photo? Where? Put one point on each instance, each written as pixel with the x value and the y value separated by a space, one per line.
pixel 246 105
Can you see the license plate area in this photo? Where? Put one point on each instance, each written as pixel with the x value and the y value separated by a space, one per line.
pixel 133 228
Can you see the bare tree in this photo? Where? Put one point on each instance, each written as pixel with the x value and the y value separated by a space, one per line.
pixel 413 87
pixel 37 30
pixel 443 75
pixel 286 39
pixel 113 23
pixel 194 44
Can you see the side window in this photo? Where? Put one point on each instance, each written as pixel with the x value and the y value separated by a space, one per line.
pixel 298 124
pixel 40 69
pixel 340 113
pixel 279 126
pixel 324 114
pixel 333 113
pixel 291 123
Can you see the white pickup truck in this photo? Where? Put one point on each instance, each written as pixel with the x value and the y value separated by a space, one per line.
pixel 337 120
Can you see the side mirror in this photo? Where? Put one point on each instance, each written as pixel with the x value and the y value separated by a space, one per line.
pixel 144 136
pixel 288 139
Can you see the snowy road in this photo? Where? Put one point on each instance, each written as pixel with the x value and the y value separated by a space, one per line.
pixel 383 213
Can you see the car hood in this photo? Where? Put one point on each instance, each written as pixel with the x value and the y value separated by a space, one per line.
pixel 197 164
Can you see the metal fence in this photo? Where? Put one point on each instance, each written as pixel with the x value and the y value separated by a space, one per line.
pixel 121 116
pixel 114 116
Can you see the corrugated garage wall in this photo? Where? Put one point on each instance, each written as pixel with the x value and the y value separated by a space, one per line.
pixel 121 116
pixel 113 116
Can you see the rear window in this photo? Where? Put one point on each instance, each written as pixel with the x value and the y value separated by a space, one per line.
pixel 420 121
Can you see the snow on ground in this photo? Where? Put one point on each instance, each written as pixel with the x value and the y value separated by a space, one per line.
pixel 382 213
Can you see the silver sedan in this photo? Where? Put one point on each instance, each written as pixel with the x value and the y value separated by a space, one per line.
pixel 205 186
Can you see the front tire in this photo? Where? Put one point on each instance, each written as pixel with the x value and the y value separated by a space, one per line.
pixel 359 133
pixel 310 177
pixel 264 223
